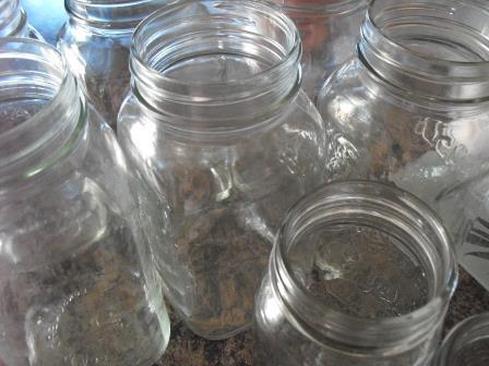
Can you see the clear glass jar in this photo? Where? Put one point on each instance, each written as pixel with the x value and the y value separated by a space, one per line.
pixel 77 283
pixel 361 274
pixel 96 41
pixel 329 30
pixel 467 344
pixel 414 104
pixel 13 21
pixel 217 125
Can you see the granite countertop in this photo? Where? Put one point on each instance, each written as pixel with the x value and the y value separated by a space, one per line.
pixel 188 349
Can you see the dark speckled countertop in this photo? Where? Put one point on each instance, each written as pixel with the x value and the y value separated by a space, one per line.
pixel 188 349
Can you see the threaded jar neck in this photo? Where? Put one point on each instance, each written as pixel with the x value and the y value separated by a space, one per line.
pixel 331 234
pixel 436 49
pixel 214 67
pixel 13 19
pixel 321 8
pixel 467 344
pixel 41 110
pixel 112 14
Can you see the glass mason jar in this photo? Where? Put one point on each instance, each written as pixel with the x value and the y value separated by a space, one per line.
pixel 361 274
pixel 217 125
pixel 329 30
pixel 414 105
pixel 13 21
pixel 96 41
pixel 77 285
pixel 467 344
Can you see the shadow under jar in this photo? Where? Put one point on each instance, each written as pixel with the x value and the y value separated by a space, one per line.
pixel 414 106
pixel 329 31
pixel 217 125
pixel 467 344
pixel 361 274
pixel 96 41
pixel 13 21
pixel 77 284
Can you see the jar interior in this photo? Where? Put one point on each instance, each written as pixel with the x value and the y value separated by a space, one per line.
pixel 456 33
pixel 475 353
pixel 367 270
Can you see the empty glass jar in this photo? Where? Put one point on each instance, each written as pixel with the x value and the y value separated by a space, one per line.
pixel 217 125
pixel 96 42
pixel 361 274
pixel 467 344
pixel 77 284
pixel 13 21
pixel 329 30
pixel 414 104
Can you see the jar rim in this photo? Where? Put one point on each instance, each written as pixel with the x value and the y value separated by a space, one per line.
pixel 434 76
pixel 275 13
pixel 339 7
pixel 463 333
pixel 338 325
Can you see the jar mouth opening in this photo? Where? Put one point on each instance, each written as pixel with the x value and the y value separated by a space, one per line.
pixel 337 201
pixel 150 46
pixel 323 7
pixel 467 333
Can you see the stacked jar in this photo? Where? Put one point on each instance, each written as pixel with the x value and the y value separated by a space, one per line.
pixel 216 123
pixel 96 41
pixel 414 106
pixel 13 21
pixel 77 282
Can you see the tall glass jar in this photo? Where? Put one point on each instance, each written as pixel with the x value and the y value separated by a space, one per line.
pixel 13 21
pixel 329 30
pixel 361 274
pixel 467 344
pixel 217 125
pixel 77 284
pixel 414 104
pixel 96 41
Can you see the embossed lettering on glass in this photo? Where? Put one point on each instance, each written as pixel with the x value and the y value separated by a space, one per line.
pixel 329 30
pixel 13 21
pixel 467 344
pixel 414 106
pixel 217 125
pixel 77 284
pixel 361 274
pixel 96 41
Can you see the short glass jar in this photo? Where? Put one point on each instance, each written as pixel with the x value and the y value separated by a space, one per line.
pixel 77 282
pixel 467 344
pixel 329 30
pixel 414 104
pixel 217 125
pixel 361 274
pixel 96 41
pixel 13 21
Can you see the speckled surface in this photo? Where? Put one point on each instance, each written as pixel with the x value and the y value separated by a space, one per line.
pixel 186 349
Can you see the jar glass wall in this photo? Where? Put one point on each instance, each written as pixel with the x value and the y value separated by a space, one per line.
pixel 13 21
pixel 77 282
pixel 217 125
pixel 329 30
pixel 414 105
pixel 361 274
pixel 96 41
pixel 467 344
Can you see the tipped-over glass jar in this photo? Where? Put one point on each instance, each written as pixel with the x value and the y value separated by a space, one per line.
pixel 77 284
pixel 217 125
pixel 329 30
pixel 13 21
pixel 467 344
pixel 96 41
pixel 414 104
pixel 361 274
